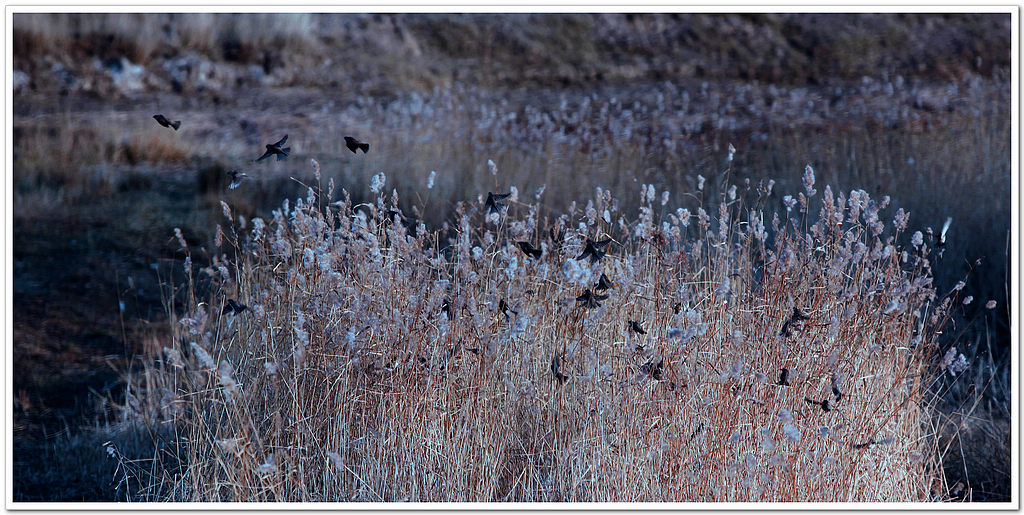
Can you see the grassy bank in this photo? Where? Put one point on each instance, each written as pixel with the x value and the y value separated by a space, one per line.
pixel 204 54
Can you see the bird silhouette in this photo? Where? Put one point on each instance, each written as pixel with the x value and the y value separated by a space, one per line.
pixel 492 203
pixel 162 120
pixel 529 249
pixel 603 283
pixel 798 315
pixel 590 299
pixel 234 307
pixel 354 144
pixel 784 377
pixel 556 369
pixel 506 309
pixel 594 249
pixel 275 148
pixel 236 178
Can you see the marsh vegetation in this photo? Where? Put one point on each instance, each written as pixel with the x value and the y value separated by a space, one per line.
pixel 328 388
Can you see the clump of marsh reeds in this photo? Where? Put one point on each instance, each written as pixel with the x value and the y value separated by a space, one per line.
pixel 782 356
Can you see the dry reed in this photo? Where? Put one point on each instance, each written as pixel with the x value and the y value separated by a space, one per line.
pixel 786 357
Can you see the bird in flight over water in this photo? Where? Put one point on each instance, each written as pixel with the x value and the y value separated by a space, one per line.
pixel 354 144
pixel 276 149
pixel 236 178
pixel 162 120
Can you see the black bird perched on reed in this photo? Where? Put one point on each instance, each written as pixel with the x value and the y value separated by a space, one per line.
pixel 529 249
pixel 162 120
pixel 784 377
pixel 275 149
pixel 556 369
pixel 493 202
pixel 506 309
pixel 594 249
pixel 234 307
pixel 603 283
pixel 354 144
pixel 236 178
pixel 590 299
pixel 635 327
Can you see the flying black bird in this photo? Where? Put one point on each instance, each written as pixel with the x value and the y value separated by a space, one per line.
pixel 354 144
pixel 603 283
pixel 234 307
pixel 162 120
pixel 784 377
pixel 505 309
pixel 798 315
pixel 493 199
pixel 276 149
pixel 556 369
pixel 236 178
pixel 529 249
pixel 594 249
pixel 942 235
pixel 590 299
pixel 635 327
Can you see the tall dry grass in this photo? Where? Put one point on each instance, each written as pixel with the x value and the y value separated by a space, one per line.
pixel 786 356
pixel 234 37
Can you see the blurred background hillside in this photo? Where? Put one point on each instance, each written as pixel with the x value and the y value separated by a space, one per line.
pixel 913 106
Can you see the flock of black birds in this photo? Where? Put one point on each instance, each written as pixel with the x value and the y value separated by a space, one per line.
pixel 273 149
pixel 232 306
pixel 589 299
